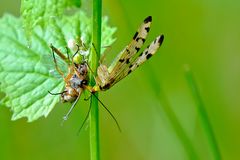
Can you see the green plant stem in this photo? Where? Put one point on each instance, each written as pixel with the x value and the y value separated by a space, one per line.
pixel 204 120
pixel 94 130
pixel 95 54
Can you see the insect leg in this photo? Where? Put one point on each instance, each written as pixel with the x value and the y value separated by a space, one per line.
pixel 54 94
pixel 54 50
pixel 59 53
pixel 86 99
pixel 72 107
pixel 78 48
pixel 91 71
pixel 91 90
pixel 103 56
pixel 115 120
pixel 86 118
pixel 95 49
pixel 68 57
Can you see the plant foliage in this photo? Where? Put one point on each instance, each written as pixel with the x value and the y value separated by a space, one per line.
pixel 24 69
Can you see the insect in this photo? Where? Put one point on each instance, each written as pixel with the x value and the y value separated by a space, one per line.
pixel 75 81
pixel 127 60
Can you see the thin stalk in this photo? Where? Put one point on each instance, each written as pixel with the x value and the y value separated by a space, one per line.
pixel 174 121
pixel 95 54
pixel 178 128
pixel 204 120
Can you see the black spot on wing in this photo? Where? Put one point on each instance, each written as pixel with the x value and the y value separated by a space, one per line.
pixel 161 39
pixel 148 56
pixel 138 38
pixel 127 51
pixel 127 61
pixel 148 19
pixel 121 60
pixel 129 71
pixel 143 40
pixel 107 86
pixel 76 65
pixel 155 40
pixel 137 49
pixel 146 52
pixel 135 35
pixel 147 29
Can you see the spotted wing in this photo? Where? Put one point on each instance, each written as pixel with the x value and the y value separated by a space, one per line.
pixel 144 56
pixel 128 53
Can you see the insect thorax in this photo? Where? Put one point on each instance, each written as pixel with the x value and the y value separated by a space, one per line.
pixel 82 68
pixel 75 83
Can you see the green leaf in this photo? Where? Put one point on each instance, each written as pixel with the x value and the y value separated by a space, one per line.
pixel 24 70
pixel 41 12
pixel 107 33
pixel 72 3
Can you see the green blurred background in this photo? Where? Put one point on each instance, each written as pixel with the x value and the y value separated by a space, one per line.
pixel 154 105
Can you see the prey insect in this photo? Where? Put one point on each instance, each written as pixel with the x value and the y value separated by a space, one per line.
pixel 76 81
pixel 128 59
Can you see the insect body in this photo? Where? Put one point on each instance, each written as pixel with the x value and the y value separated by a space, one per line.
pixel 75 81
pixel 129 59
